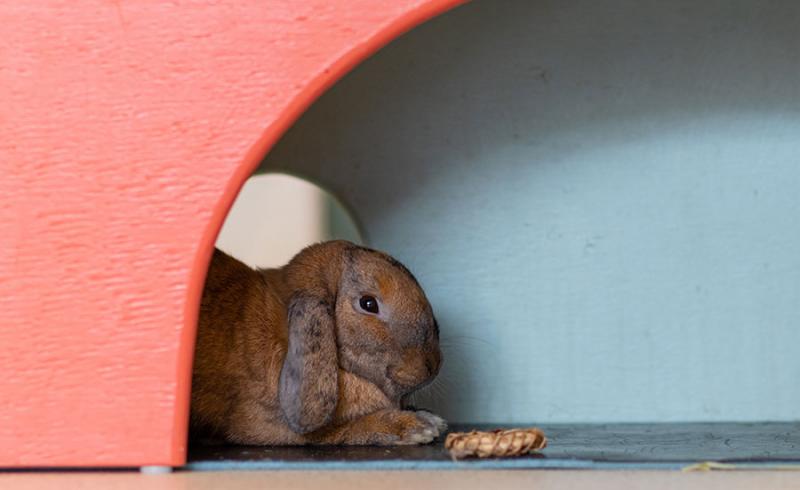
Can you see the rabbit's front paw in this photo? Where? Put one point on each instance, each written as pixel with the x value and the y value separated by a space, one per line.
pixel 408 428
pixel 434 420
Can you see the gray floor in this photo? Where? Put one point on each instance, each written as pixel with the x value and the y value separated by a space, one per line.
pixel 606 446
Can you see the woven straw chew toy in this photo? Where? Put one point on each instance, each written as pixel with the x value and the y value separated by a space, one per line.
pixel 497 443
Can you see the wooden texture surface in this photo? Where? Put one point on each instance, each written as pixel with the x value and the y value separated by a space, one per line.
pixel 126 130
pixel 402 480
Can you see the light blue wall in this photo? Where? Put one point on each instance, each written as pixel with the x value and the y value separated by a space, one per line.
pixel 602 200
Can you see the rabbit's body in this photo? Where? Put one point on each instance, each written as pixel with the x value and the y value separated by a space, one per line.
pixel 284 357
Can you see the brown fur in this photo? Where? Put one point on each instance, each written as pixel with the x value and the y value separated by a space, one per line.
pixel 286 356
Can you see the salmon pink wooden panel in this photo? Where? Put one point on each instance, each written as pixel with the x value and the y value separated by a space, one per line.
pixel 126 130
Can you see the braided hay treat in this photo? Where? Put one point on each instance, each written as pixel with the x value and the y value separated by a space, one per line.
pixel 497 443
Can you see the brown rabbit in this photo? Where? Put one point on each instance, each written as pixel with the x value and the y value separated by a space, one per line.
pixel 321 351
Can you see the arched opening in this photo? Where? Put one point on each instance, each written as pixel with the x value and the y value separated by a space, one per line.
pixel 391 23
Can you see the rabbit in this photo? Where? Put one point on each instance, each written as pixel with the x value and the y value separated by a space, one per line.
pixel 324 350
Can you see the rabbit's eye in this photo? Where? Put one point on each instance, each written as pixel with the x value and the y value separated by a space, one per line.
pixel 369 304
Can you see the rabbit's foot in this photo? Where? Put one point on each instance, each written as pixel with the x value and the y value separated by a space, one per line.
pixel 406 428
pixel 385 428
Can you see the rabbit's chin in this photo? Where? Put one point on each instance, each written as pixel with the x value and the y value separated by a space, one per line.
pixel 402 393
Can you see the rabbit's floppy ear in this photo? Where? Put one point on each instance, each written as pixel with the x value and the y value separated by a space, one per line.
pixel 309 377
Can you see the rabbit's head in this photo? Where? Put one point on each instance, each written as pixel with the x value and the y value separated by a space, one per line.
pixel 385 327
pixel 375 312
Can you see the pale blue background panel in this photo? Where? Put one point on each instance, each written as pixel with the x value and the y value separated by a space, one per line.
pixel 602 200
